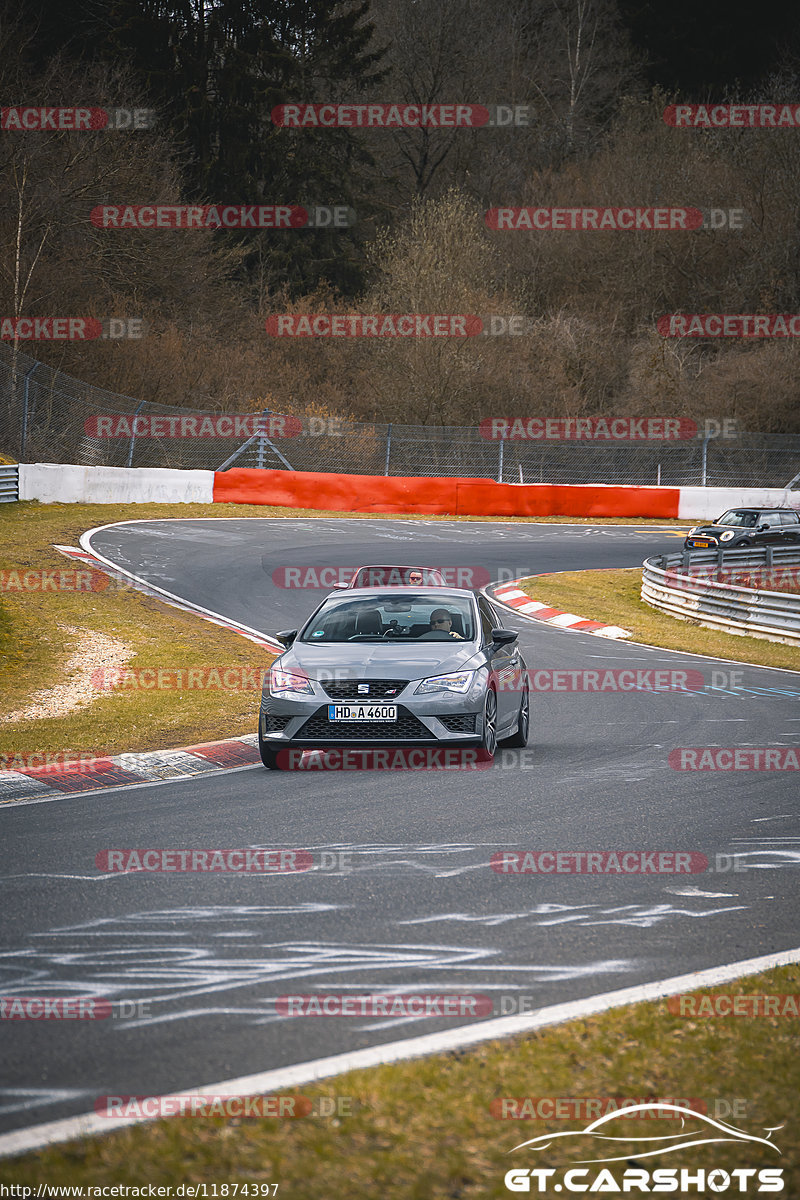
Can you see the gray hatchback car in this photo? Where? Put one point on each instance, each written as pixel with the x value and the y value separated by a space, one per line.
pixel 396 667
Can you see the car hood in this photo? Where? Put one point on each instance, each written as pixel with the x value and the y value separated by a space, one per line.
pixel 716 530
pixel 374 660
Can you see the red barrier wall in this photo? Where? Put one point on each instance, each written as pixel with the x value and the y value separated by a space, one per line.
pixel 469 497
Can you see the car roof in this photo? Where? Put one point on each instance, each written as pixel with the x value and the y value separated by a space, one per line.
pixel 760 508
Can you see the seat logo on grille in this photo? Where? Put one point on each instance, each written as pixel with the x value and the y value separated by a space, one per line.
pixel 363 689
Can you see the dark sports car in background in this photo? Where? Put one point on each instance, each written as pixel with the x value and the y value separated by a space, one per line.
pixel 740 527
pixel 396 667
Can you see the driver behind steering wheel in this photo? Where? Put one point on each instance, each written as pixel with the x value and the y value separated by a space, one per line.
pixel 442 622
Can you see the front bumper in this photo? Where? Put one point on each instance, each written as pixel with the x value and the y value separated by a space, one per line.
pixel 435 719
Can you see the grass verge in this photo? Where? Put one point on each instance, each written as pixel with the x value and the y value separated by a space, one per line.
pixel 34 649
pixel 613 596
pixel 427 1128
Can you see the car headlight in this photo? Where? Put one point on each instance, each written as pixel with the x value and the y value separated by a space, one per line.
pixel 458 681
pixel 726 536
pixel 284 683
pixel 694 529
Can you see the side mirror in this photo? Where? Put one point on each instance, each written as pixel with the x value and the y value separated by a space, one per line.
pixel 341 587
pixel 287 637
pixel 503 637
pixel 761 528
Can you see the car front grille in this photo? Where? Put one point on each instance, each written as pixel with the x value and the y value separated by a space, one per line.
pixel 462 723
pixel 378 689
pixel 405 728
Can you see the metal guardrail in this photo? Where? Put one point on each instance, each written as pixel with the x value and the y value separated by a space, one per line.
pixel 9 484
pixel 689 586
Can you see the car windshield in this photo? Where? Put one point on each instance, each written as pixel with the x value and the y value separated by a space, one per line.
pixel 404 616
pixel 739 517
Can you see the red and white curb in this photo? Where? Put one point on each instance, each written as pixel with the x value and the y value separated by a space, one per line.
pixel 512 597
pixel 48 780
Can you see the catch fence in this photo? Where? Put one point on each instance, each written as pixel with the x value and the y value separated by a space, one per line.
pixel 48 416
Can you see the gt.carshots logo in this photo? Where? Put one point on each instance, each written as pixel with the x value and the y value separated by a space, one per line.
pixel 596 219
pixel 395 325
pixel 603 1139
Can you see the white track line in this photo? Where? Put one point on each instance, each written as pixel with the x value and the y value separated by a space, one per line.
pixel 219 618
pixel 37 1136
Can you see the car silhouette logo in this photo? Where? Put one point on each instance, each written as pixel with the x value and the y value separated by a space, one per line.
pixel 680 1141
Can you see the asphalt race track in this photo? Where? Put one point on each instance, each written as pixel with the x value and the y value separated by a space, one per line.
pixel 414 906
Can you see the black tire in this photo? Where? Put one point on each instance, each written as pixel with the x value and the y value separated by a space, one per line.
pixel 519 740
pixel 269 754
pixel 489 737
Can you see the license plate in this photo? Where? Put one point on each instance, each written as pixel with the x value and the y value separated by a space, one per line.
pixel 696 543
pixel 362 712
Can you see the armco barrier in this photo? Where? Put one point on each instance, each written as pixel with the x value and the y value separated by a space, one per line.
pixel 9 483
pixel 56 484
pixel 672 584
pixel 484 497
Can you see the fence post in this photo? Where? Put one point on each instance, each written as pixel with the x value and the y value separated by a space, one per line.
pixel 705 461
pixel 262 440
pixel 24 437
pixel 500 460
pixel 388 447
pixel 133 433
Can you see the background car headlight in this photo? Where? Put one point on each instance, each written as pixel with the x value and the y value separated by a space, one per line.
pixel 726 536
pixel 458 681
pixel 694 529
pixel 284 683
